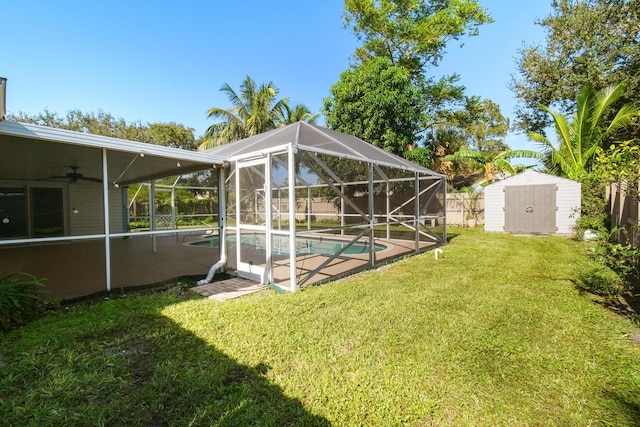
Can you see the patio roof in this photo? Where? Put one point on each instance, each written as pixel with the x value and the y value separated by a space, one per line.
pixel 316 139
pixel 33 152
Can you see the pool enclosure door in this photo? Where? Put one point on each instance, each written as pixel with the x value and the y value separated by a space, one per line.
pixel 253 219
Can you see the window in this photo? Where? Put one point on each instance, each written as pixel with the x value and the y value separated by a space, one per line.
pixel 31 212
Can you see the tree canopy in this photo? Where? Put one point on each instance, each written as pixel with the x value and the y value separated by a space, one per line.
pixel 377 102
pixel 412 36
pixel 589 42
pixel 168 134
pixel 411 33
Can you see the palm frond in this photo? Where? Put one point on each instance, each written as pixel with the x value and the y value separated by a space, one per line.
pixel 623 117
pixel 465 155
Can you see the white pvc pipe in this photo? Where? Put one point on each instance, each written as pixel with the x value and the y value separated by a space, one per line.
pixel 212 271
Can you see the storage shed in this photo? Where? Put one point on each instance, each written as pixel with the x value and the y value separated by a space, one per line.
pixel 532 202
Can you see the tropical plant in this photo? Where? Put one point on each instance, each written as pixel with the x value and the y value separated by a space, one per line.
pixel 494 165
pixel 582 136
pixel 253 110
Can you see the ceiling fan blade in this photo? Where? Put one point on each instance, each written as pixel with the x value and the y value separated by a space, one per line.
pixel 88 178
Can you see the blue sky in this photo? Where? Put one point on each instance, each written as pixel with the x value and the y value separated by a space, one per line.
pixel 162 61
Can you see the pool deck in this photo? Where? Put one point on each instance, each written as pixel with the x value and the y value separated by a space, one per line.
pixel 78 268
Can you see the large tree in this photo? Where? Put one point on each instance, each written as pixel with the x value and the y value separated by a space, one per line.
pixel 378 102
pixel 588 42
pixel 480 123
pixel 414 35
pixel 411 33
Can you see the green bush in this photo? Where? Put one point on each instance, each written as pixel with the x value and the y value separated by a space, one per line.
pixel 621 259
pixel 602 281
pixel 21 299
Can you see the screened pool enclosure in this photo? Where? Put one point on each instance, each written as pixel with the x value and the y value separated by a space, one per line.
pixel 304 204
pixel 293 206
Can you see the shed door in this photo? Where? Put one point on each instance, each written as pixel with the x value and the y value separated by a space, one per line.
pixel 530 209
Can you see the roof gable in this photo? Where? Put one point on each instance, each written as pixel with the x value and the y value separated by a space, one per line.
pixel 310 137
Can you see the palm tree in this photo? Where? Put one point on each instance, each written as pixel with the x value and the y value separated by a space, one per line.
pixel 580 138
pixel 299 113
pixel 254 110
pixel 493 165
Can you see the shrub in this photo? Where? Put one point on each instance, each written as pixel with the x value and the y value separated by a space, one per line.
pixel 21 299
pixel 602 281
pixel 623 260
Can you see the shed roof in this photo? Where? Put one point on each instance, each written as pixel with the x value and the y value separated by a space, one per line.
pixel 308 137
pixel 528 177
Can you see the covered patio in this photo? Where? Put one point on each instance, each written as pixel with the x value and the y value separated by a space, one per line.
pixel 297 205
pixel 63 210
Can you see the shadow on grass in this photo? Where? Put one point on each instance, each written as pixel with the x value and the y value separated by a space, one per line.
pixel 629 407
pixel 124 363
pixel 451 236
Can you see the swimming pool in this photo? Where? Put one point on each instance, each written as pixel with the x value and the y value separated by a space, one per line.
pixel 304 245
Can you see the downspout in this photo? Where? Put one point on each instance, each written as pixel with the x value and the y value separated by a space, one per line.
pixel 222 208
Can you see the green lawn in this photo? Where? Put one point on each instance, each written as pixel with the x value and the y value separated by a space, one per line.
pixel 493 333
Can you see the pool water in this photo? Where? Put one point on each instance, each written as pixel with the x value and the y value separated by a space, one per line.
pixel 304 245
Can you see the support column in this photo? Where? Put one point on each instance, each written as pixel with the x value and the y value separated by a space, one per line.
pixel 372 219
pixel 308 207
pixel 342 206
pixel 152 214
pixel 292 218
pixel 416 222
pixel 222 211
pixel 268 204
pixel 388 198
pixel 107 229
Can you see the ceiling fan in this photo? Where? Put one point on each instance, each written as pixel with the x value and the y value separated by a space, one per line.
pixel 75 176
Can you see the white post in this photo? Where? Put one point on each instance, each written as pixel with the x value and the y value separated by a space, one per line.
pixel 107 230
pixel 388 210
pixel 372 220
pixel 152 213
pixel 269 218
pixel 292 219
pixel 308 207
pixel 416 222
pixel 342 206
pixel 222 209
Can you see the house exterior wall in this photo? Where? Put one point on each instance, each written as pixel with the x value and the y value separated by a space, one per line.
pixel 568 199
pixel 87 198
